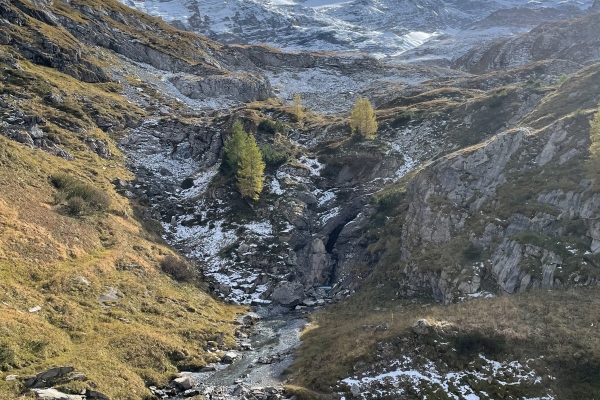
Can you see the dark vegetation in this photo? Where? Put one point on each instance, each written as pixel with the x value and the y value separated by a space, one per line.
pixel 272 127
pixel 272 157
pixel 177 269
pixel 82 198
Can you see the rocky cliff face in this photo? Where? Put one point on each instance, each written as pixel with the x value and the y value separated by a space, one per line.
pixel 517 211
pixel 576 41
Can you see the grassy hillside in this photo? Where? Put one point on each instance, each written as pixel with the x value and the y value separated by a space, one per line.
pixel 59 259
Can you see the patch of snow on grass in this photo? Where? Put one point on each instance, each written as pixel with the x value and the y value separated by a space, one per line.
pixel 428 376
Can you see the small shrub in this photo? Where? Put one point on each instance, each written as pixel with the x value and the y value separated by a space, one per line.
pixel 177 269
pixel 272 127
pixel 7 357
pixel 61 180
pixel 272 157
pixel 81 197
pixel 497 97
pixel 563 78
pixel 403 118
pixel 95 198
pixel 76 206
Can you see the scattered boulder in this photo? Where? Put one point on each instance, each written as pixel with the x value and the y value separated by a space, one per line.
pixel 355 390
pixel 422 327
pixel 53 394
pixel 230 357
pixel 250 319
pixel 11 378
pixel 110 295
pixel 92 394
pixel 47 378
pixel 288 294
pixel 184 382
pixel 82 280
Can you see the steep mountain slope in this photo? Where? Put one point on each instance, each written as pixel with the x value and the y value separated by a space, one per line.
pixel 81 282
pixel 567 40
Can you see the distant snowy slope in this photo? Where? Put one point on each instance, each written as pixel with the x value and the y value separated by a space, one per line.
pixel 379 27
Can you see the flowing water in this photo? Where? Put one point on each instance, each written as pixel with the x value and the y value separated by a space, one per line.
pixel 273 341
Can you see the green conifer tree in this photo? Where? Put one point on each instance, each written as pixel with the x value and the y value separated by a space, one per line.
pixel 250 169
pixel 234 146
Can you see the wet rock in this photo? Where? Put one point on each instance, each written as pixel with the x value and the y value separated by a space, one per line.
pixel 355 390
pixel 422 327
pixel 230 357
pixel 184 382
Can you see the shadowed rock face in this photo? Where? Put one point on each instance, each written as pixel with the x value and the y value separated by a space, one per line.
pixel 242 88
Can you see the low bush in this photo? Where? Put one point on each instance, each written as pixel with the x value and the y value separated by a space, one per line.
pixel 272 127
pixel 81 198
pixel 497 98
pixel 472 253
pixel 403 118
pixel 177 269
pixel 272 157
pixel 76 206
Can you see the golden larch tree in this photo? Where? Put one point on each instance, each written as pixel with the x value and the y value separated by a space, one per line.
pixel 297 107
pixel 362 119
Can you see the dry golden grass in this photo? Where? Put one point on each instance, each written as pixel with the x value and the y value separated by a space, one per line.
pixel 562 326
pixel 121 346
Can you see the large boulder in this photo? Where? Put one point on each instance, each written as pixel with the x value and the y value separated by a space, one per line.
pixel 184 382
pixel 53 394
pixel 288 294
pixel 48 377
pixel 422 327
